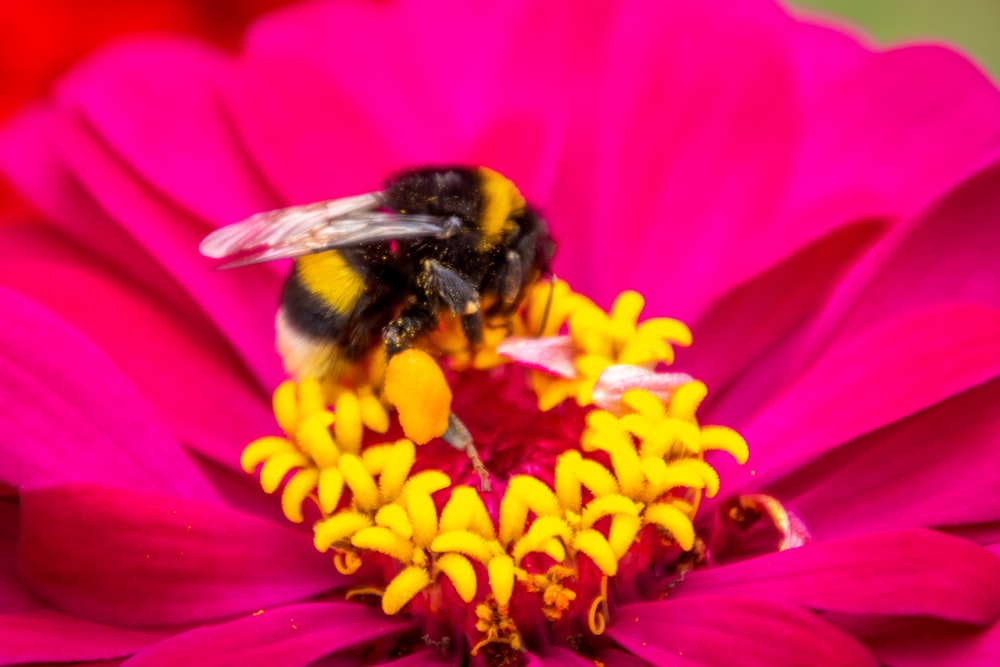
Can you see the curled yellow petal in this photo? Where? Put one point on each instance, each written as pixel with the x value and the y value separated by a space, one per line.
pixel 465 511
pixel 460 572
pixel 672 520
pixel 599 508
pixel 295 493
pixel 262 449
pixel 340 526
pixel 595 545
pixel 285 406
pixel 686 400
pixel 403 588
pixel 423 515
pixel 277 467
pixel 313 435
pixel 397 468
pixel 416 387
pixel 501 575
pixel 360 481
pixel 624 528
pixel 727 440
pixel 535 494
pixel 348 429
pixel 395 518
pixel 463 542
pixel 330 488
pixel 384 541
pixel 373 414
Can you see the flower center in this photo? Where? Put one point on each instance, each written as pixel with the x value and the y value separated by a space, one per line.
pixel 591 496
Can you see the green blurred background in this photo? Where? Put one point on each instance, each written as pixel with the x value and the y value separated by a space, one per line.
pixel 972 25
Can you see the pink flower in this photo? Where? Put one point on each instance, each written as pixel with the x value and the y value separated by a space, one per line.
pixel 824 216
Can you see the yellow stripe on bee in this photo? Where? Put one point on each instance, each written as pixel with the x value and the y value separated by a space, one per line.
pixel 330 277
pixel 501 200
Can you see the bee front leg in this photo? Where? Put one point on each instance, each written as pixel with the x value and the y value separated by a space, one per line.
pixel 414 321
pixel 447 288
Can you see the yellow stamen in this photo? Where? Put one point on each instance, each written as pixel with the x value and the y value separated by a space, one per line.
pixel 597 619
pixel 295 493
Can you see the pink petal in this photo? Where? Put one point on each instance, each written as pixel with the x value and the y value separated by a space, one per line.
pixel 682 148
pixel 555 355
pixel 171 128
pixel 900 573
pixel 755 319
pixel 69 415
pixel 234 301
pixel 948 254
pixel 140 559
pixel 860 385
pixel 724 630
pixel 901 125
pixel 920 643
pixel 939 467
pixel 558 657
pixel 196 384
pixel 286 636
pixel 43 636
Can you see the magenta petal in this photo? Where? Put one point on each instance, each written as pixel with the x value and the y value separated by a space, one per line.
pixel 131 111
pixel 69 415
pixel 918 643
pixel 724 630
pixel 937 468
pixel 947 254
pixel 925 110
pixel 884 374
pixel 291 636
pixel 159 560
pixel 902 573
pixel 41 636
pixel 149 340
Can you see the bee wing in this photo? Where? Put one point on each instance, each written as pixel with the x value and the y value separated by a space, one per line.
pixel 300 230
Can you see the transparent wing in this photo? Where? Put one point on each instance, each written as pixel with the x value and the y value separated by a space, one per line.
pixel 300 230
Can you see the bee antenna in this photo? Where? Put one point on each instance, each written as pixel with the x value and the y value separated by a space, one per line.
pixel 548 305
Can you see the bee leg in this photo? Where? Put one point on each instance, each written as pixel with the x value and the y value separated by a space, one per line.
pixel 446 287
pixel 414 321
pixel 459 437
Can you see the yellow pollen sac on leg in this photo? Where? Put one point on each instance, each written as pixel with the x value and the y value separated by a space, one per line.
pixel 416 387
pixel 403 588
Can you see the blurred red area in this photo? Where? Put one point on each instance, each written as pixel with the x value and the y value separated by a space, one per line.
pixel 42 39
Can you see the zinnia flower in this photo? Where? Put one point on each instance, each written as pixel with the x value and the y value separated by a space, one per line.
pixel 821 215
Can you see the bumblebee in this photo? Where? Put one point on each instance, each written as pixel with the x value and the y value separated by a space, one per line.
pixel 377 272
